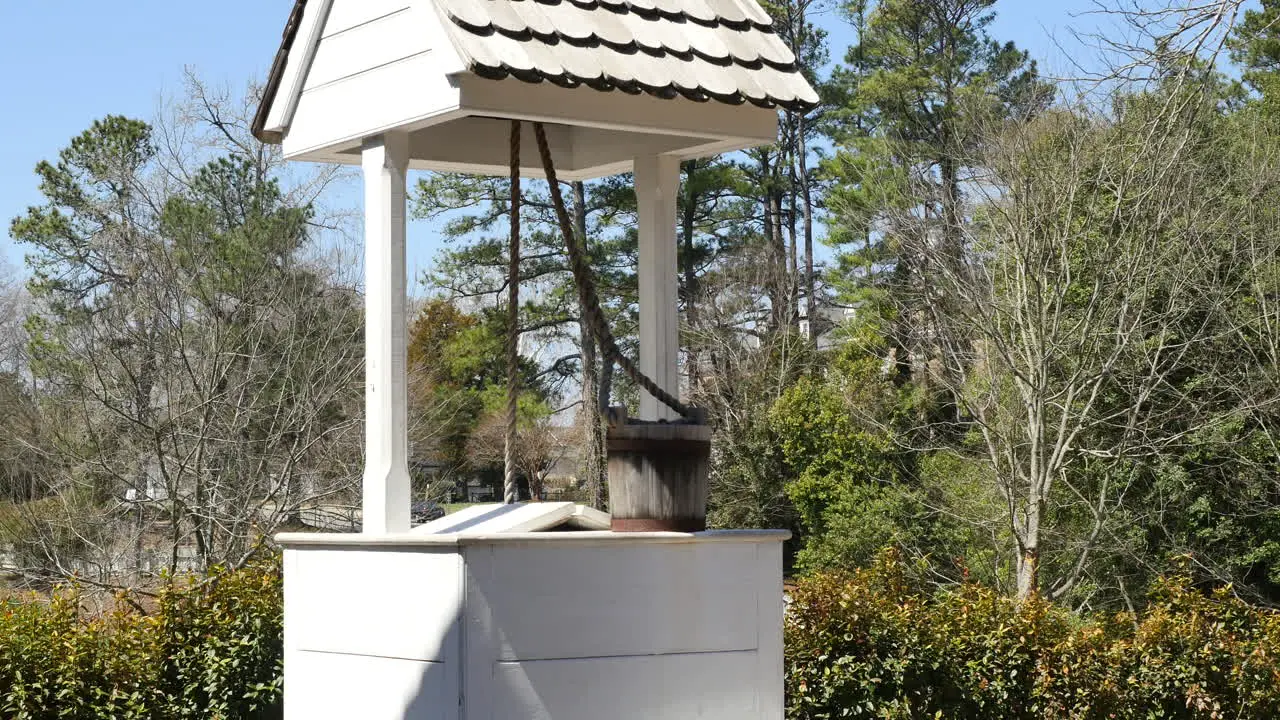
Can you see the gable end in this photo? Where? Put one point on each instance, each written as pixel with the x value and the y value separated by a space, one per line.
pixel 276 76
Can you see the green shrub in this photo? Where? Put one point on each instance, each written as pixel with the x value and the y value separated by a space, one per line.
pixel 869 644
pixel 866 644
pixel 209 649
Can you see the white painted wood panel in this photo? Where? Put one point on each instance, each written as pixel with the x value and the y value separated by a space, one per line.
pixel 771 608
pixel 563 626
pixel 300 57
pixel 389 604
pixel 594 147
pixel 347 14
pixel 583 601
pixel 371 45
pixel 367 104
pixel 387 487
pixel 673 687
pixel 480 644
pixel 657 181
pixel 484 145
pixel 486 154
pixel 617 110
pixel 324 686
pixel 293 597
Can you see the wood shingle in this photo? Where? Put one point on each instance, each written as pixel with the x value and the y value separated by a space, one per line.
pixel 723 50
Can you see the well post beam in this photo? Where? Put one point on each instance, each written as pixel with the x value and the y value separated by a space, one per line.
pixel 386 476
pixel 657 179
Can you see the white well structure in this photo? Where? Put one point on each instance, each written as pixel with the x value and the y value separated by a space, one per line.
pixel 525 612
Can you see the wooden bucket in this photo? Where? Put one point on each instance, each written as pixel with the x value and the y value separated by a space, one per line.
pixel 658 477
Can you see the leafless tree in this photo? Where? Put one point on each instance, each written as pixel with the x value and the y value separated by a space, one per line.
pixel 15 305
pixel 539 446
pixel 20 447
pixel 1093 270
pixel 746 364
pixel 203 405
pixel 1159 38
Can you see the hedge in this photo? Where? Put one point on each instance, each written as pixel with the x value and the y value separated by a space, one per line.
pixel 209 649
pixel 870 644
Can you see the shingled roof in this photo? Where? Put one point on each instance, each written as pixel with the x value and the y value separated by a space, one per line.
pixel 721 50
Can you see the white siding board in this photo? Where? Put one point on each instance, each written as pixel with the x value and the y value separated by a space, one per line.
pixel 351 687
pixel 583 601
pixel 673 687
pixel 616 110
pixel 622 613
pixel 347 14
pixel 769 599
pixel 480 644
pixel 416 595
pixel 486 142
pixel 294 600
pixel 372 45
pixel 300 58
pixel 392 96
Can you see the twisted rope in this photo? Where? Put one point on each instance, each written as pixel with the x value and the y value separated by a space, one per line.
pixel 587 295
pixel 511 490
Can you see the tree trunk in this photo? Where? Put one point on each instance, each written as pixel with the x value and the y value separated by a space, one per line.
pixel 779 297
pixel 787 305
pixel 1029 549
pixel 951 250
pixel 606 385
pixel 594 475
pixel 690 271
pixel 953 262
pixel 772 282
pixel 605 388
pixel 1028 573
pixel 793 250
pixel 593 467
pixel 806 191
pixel 793 241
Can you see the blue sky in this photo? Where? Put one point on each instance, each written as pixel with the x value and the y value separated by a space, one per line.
pixel 65 63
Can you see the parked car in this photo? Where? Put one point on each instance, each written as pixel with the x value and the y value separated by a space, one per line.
pixel 424 511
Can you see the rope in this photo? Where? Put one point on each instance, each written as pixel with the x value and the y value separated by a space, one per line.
pixel 587 295
pixel 511 489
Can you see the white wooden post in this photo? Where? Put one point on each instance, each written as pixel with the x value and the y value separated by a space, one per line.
pixel 657 180
pixel 386 474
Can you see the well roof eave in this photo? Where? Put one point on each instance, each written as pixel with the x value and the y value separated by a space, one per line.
pixel 276 76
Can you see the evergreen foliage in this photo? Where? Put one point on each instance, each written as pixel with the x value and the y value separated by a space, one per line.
pixel 876 644
pixel 871 643
pixel 206 649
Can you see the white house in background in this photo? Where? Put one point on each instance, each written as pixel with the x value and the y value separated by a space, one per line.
pixel 152 488
pixel 830 318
